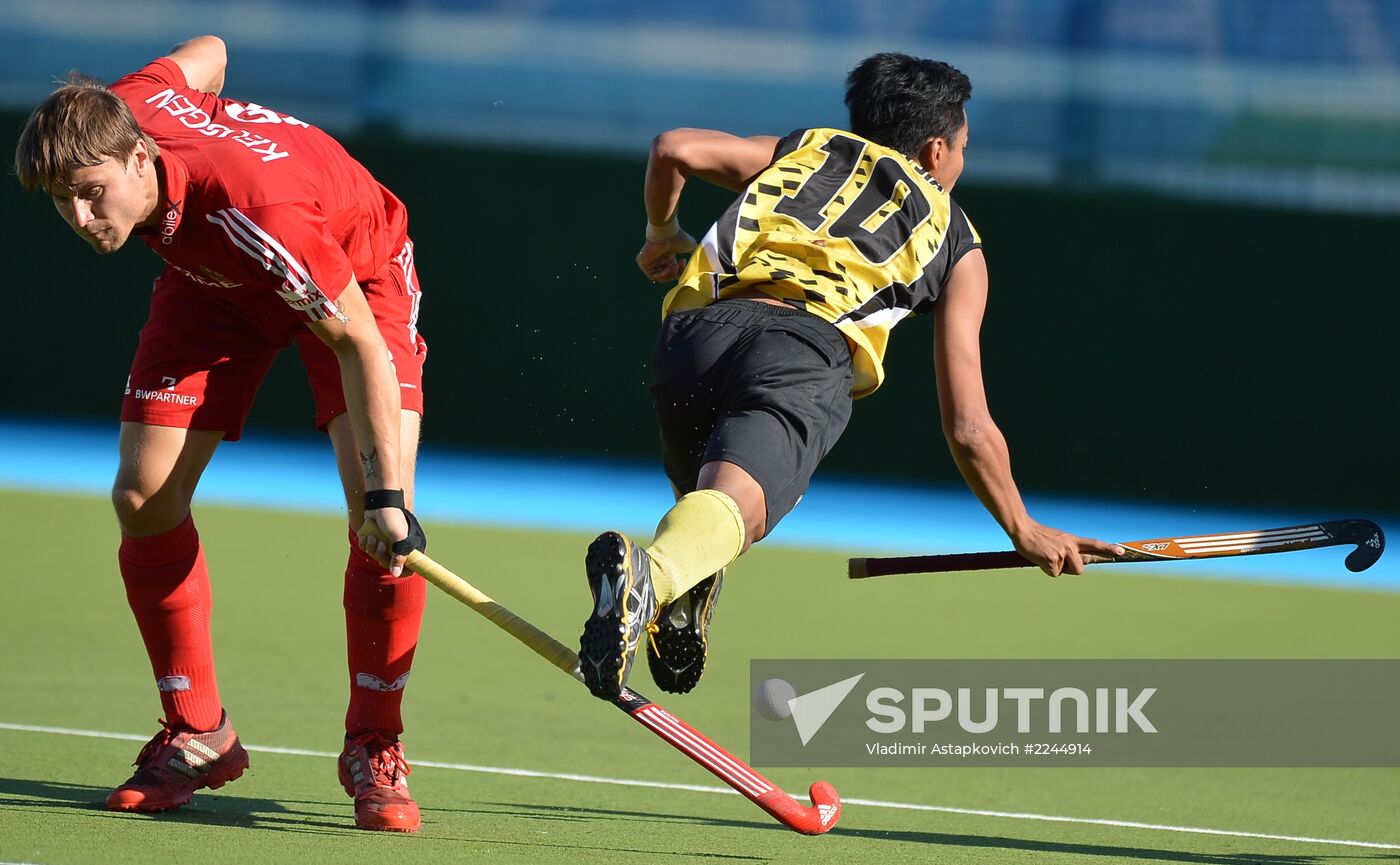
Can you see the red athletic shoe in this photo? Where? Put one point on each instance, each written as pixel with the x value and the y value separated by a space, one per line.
pixel 176 763
pixel 374 771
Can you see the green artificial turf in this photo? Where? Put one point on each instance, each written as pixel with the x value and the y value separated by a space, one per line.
pixel 73 659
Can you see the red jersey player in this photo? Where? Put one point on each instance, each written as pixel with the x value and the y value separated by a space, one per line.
pixel 272 235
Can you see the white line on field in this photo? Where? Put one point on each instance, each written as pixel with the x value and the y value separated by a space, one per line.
pixel 700 788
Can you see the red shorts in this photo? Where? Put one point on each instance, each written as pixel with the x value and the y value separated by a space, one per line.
pixel 201 357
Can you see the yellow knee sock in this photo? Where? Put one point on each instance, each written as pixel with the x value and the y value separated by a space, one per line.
pixel 701 534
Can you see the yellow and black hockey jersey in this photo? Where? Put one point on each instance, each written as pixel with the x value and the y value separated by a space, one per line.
pixel 844 228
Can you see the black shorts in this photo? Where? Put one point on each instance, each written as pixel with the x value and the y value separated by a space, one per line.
pixel 765 387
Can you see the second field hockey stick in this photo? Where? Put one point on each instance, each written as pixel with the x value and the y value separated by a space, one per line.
pixel 1364 534
pixel 816 819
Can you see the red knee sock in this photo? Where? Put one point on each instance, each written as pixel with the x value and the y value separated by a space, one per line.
pixel 167 586
pixel 382 617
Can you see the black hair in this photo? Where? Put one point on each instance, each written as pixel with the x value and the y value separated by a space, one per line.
pixel 901 101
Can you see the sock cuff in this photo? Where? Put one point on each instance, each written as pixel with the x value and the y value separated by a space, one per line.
pixel 729 504
pixel 702 533
pixel 166 548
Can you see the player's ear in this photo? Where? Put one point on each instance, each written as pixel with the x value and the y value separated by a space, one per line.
pixel 140 157
pixel 932 154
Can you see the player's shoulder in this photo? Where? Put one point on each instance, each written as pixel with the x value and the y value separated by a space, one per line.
pixel 162 101
pixel 959 239
pixel 960 224
pixel 806 137
pixel 154 76
pixel 819 136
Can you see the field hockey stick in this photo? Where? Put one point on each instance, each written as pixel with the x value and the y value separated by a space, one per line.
pixel 1367 537
pixel 817 819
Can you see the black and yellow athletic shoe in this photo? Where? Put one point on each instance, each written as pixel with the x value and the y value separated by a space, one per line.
pixel 624 607
pixel 680 638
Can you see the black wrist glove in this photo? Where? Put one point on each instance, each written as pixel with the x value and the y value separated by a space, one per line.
pixel 416 540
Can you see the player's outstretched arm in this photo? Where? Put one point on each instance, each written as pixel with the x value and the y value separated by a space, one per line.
pixel 372 401
pixel 977 445
pixel 717 157
pixel 203 60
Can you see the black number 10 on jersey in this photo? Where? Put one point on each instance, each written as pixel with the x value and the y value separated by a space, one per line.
pixel 818 204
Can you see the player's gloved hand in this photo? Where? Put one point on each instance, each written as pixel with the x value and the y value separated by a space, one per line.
pixel 660 256
pixel 385 509
pixel 1056 552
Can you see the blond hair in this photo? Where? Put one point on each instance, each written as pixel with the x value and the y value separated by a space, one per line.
pixel 81 123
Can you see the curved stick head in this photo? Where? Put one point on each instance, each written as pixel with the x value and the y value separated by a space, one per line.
pixel 814 819
pixel 827 807
pixel 1369 540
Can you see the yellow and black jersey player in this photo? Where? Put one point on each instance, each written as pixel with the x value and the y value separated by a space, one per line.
pixel 854 233
pixel 780 318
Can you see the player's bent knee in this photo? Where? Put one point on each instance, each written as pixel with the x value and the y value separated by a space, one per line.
pixel 753 505
pixel 141 514
pixel 127 502
pixel 755 526
pixel 744 490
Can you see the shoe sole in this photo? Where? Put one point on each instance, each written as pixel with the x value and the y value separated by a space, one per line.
pixel 676 656
pixel 683 664
pixel 240 766
pixel 603 646
pixel 370 828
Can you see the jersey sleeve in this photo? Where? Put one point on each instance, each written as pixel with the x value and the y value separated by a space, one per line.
pixel 962 236
pixel 960 239
pixel 289 246
pixel 162 70
pixel 788 143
